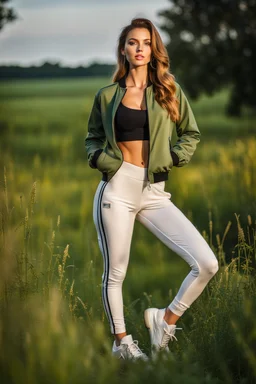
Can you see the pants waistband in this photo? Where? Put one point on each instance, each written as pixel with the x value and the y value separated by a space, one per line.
pixel 134 171
pixel 139 173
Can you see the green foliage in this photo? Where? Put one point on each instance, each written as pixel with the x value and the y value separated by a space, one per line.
pixel 55 70
pixel 7 14
pixel 212 45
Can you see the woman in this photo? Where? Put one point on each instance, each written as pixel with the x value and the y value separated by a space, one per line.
pixel 129 141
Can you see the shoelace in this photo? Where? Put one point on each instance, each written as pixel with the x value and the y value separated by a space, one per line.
pixel 167 337
pixel 134 349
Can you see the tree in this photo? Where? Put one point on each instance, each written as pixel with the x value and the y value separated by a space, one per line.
pixel 6 14
pixel 213 45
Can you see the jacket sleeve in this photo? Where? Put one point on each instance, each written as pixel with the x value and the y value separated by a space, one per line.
pixel 187 131
pixel 96 138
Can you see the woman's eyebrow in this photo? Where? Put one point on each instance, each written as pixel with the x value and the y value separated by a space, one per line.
pixel 133 38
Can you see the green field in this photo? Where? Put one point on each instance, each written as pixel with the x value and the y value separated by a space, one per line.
pixel 52 324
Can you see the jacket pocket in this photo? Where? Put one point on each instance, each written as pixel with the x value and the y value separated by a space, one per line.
pixel 106 163
pixel 170 148
pixel 100 160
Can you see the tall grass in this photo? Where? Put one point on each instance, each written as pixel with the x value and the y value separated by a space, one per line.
pixel 48 334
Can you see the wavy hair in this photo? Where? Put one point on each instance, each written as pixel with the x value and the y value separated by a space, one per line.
pixel 160 76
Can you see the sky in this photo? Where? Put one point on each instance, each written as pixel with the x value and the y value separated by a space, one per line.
pixel 71 32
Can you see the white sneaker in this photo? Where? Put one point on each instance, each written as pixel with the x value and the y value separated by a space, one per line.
pixel 160 332
pixel 128 349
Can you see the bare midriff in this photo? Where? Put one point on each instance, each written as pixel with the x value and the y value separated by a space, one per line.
pixel 135 152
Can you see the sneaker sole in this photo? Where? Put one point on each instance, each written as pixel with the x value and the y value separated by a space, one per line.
pixel 148 317
pixel 148 320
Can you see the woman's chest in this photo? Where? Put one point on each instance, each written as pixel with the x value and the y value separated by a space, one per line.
pixel 135 98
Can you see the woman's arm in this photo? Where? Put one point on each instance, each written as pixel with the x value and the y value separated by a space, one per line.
pixel 95 139
pixel 187 131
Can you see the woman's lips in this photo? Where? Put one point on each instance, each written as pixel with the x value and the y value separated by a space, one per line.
pixel 139 57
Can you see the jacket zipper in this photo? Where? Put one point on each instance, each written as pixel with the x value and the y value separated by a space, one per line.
pixel 114 138
pixel 148 182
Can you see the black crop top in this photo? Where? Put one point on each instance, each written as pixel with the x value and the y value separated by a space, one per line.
pixel 131 124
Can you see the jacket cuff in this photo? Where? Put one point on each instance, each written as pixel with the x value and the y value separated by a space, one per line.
pixel 95 157
pixel 175 158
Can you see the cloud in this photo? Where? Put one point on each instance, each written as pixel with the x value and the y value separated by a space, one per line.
pixel 66 50
pixel 102 26
pixel 71 3
pixel 72 33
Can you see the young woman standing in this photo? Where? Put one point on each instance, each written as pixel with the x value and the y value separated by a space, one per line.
pixel 129 140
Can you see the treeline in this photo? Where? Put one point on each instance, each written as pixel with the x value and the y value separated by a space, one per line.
pixel 53 70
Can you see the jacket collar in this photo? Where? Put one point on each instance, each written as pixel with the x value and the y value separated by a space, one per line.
pixel 121 81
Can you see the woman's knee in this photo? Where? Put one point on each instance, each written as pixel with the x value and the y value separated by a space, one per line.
pixel 117 275
pixel 210 267
pixel 206 268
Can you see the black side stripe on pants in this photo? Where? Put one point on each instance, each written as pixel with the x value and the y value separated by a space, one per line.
pixel 105 258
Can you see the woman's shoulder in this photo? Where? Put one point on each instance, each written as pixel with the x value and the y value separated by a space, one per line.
pixel 179 89
pixel 177 86
pixel 106 89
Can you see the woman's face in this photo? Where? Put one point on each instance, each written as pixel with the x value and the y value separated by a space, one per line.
pixel 138 43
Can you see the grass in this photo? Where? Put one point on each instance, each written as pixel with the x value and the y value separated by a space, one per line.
pixel 50 334
pixel 52 323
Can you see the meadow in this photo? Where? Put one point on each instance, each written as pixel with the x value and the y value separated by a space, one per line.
pixel 52 324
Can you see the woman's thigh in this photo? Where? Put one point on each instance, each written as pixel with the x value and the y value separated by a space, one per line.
pixel 174 229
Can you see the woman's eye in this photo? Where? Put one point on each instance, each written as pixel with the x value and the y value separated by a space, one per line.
pixel 132 43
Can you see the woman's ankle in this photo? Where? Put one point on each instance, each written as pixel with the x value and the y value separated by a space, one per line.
pixel 170 317
pixel 118 338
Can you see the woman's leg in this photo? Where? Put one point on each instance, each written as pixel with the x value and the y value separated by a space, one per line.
pixel 114 221
pixel 172 227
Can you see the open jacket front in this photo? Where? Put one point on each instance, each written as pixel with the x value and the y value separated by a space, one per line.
pixel 103 151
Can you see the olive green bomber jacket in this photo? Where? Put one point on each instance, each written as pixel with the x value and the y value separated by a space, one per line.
pixel 103 151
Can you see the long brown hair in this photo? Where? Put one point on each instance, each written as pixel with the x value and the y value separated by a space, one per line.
pixel 162 79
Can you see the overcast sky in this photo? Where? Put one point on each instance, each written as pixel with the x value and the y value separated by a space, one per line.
pixel 71 32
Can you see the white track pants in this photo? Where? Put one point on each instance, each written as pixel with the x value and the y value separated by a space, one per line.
pixel 117 203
